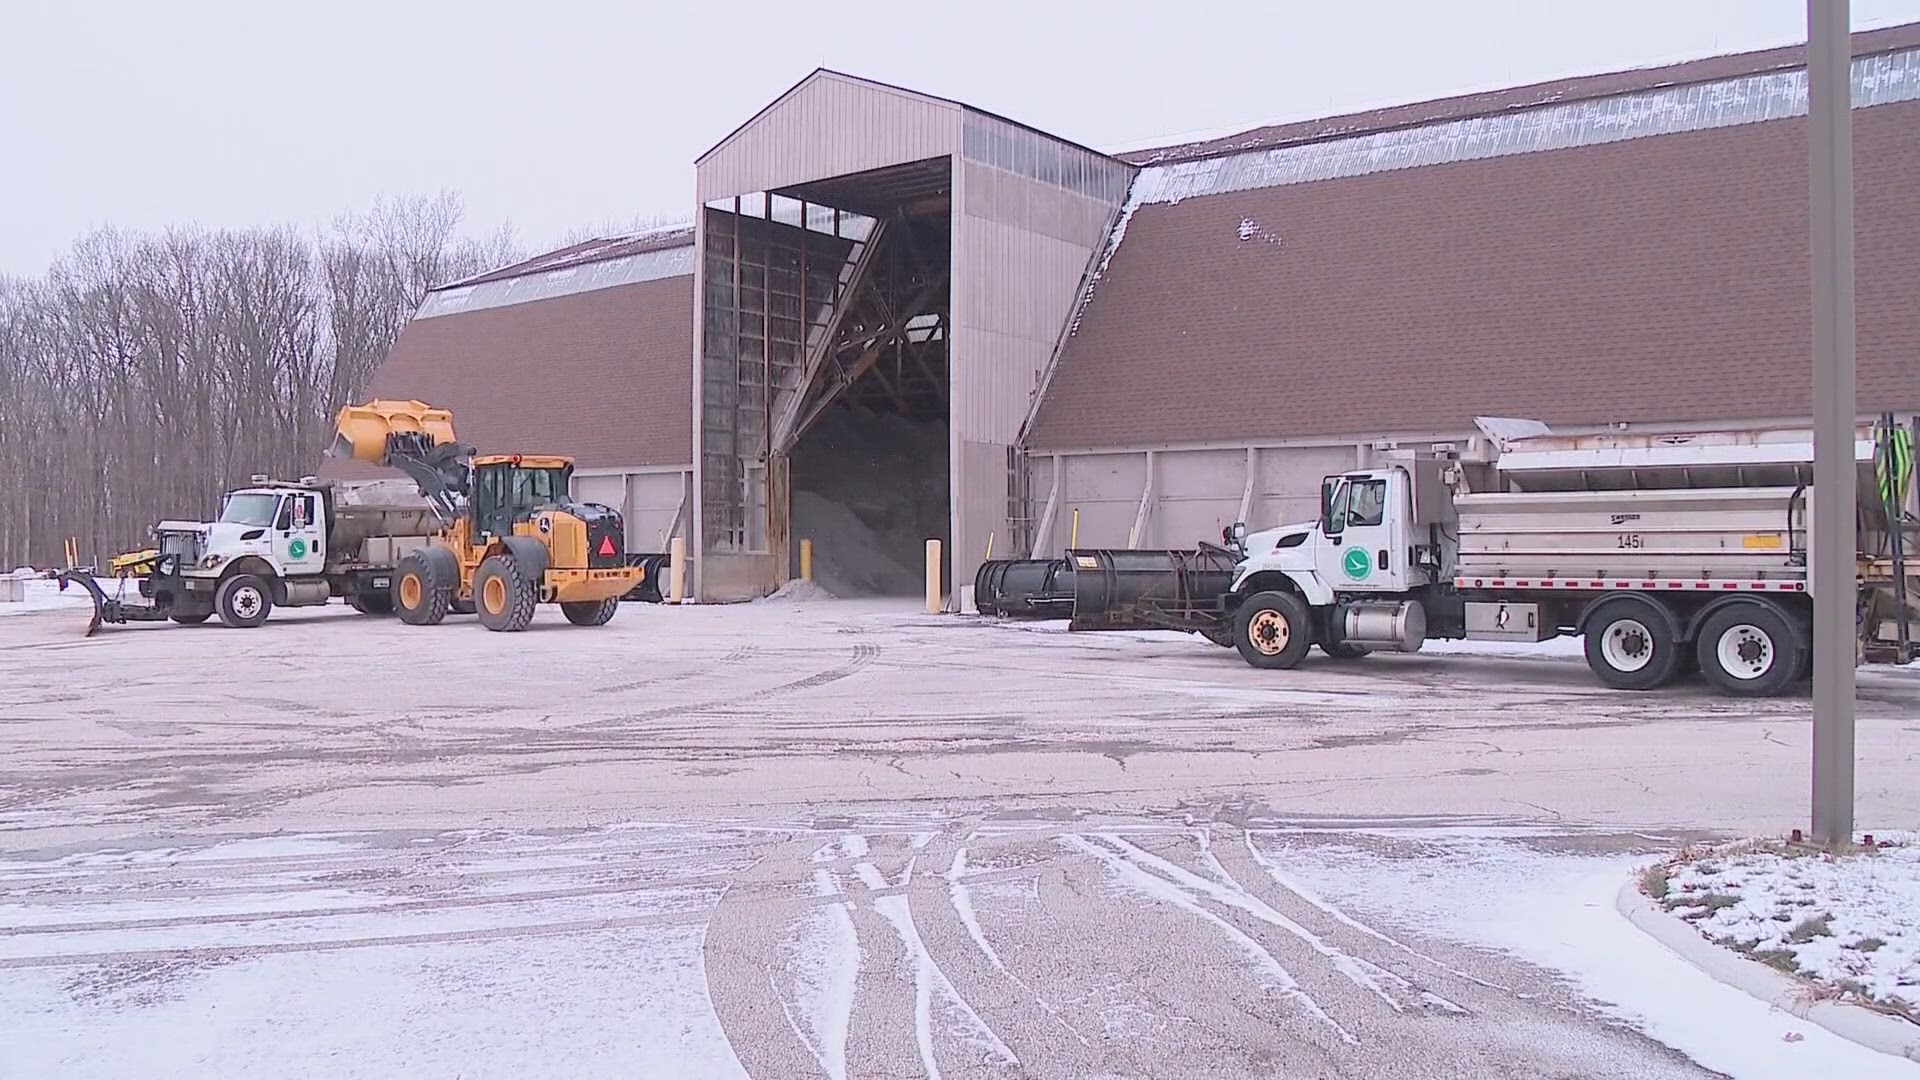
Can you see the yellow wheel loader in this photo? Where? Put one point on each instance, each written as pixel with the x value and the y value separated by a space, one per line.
pixel 510 537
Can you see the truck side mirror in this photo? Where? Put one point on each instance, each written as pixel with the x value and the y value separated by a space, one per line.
pixel 1326 507
pixel 1236 535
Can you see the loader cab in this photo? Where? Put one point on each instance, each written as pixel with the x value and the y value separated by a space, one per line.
pixel 508 488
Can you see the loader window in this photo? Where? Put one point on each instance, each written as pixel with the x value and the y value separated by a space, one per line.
pixel 537 487
pixel 504 494
pixel 252 508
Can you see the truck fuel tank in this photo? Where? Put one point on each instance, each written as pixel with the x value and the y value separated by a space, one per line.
pixel 1384 625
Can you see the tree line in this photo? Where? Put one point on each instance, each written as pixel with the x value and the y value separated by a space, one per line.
pixel 144 374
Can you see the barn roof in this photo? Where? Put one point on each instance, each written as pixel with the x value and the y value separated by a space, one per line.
pixel 1639 254
pixel 1508 99
pixel 604 375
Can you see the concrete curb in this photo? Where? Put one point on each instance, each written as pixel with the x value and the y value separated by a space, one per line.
pixel 1875 1031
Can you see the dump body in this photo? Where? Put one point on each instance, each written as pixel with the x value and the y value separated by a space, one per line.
pixel 1747 534
pixel 354 526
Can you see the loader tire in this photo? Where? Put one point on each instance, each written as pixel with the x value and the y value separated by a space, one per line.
pixel 244 601
pixel 590 612
pixel 503 596
pixel 1273 630
pixel 422 589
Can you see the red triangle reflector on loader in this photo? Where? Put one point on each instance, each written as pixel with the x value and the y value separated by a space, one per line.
pixel 606 546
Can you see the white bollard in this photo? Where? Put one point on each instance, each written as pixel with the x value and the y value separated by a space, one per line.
pixel 677 571
pixel 933 577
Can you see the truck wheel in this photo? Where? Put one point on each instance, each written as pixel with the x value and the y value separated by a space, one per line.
pixel 1341 650
pixel 243 600
pixel 590 612
pixel 1749 650
pixel 1631 646
pixel 380 603
pixel 502 595
pixel 1273 630
pixel 420 593
pixel 194 618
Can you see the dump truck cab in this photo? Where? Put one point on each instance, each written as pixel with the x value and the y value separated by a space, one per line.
pixel 1376 534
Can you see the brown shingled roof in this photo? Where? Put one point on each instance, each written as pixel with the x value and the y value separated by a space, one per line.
pixel 1658 278
pixel 1582 88
pixel 604 376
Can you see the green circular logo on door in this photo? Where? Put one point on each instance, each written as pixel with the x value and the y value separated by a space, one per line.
pixel 298 550
pixel 1356 563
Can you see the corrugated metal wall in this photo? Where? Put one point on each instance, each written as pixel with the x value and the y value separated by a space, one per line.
pixel 1196 492
pixel 1030 213
pixel 654 503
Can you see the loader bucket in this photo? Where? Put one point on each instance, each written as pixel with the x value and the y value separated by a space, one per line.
pixel 1038 588
pixel 361 431
pixel 1125 589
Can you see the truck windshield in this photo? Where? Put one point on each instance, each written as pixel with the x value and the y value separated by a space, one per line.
pixel 249 508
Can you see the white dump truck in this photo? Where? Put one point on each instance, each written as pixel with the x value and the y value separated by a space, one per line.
pixel 1667 552
pixel 273 544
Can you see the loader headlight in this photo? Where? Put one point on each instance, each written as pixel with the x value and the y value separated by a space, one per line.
pixel 212 561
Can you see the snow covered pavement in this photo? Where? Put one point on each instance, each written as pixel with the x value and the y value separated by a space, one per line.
pixel 843 839
pixel 1850 924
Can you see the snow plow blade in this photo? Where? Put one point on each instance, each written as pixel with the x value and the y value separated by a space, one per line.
pixel 1126 589
pixel 1024 588
pixel 85 580
pixel 107 609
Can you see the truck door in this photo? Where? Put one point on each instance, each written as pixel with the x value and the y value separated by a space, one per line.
pixel 299 536
pixel 1364 549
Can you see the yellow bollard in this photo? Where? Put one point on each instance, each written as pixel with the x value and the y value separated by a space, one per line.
pixel 677 571
pixel 806 560
pixel 989 547
pixel 933 577
pixel 1074 541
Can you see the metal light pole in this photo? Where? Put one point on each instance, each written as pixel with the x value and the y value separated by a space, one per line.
pixel 1830 144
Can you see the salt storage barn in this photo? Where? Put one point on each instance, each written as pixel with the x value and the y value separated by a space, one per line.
pixel 896 316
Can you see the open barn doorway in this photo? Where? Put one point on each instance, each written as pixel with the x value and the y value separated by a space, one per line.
pixel 827 319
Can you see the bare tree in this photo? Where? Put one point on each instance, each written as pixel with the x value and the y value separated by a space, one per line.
pixel 146 373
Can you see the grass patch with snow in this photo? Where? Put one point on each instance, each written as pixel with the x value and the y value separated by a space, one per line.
pixel 1848 923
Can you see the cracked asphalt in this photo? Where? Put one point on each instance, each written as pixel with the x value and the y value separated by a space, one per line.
pixel 836 839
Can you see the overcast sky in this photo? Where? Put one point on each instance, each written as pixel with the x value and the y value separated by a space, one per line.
pixel 564 113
